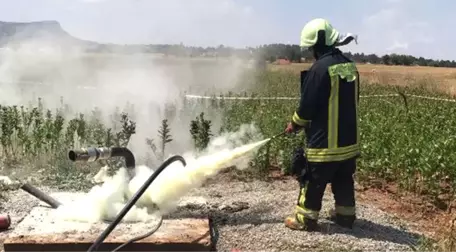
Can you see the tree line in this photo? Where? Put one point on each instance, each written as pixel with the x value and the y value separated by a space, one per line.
pixel 293 53
pixel 271 53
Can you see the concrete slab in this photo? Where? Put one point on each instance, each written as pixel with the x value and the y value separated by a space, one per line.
pixel 41 231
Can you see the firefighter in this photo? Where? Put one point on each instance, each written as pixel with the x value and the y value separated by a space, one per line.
pixel 328 114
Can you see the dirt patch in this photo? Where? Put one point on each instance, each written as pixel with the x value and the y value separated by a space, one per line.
pixel 415 209
pixel 423 216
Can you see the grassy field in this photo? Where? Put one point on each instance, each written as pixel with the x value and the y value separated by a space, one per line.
pixel 406 140
pixel 409 142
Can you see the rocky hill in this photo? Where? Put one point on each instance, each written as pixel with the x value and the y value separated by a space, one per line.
pixel 35 36
pixel 42 33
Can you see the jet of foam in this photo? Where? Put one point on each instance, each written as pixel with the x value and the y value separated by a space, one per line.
pixel 176 180
pixel 104 202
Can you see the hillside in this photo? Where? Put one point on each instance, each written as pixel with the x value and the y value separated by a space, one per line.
pixel 43 33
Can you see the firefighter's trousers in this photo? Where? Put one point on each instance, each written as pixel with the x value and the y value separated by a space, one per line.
pixel 340 175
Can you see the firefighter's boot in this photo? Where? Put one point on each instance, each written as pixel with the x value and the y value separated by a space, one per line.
pixel 306 224
pixel 345 221
pixel 304 218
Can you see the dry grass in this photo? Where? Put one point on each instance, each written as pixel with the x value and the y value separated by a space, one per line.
pixel 435 77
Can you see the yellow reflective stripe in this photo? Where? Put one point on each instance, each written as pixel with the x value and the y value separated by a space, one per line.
pixel 333 113
pixel 335 151
pixel 344 70
pixel 310 214
pixel 345 210
pixel 301 211
pixel 298 120
pixel 349 72
pixel 334 157
pixel 356 109
pixel 300 218
pixel 302 197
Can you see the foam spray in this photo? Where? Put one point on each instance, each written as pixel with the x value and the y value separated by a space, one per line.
pixel 103 202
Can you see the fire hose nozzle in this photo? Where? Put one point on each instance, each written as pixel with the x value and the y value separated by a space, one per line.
pixel 89 154
pixel 93 154
pixel 278 135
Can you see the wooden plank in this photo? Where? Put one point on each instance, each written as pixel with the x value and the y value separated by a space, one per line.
pixel 41 231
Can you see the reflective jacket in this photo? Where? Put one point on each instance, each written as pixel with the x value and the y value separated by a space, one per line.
pixel 329 108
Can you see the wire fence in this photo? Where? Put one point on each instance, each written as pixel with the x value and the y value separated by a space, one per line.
pixel 203 97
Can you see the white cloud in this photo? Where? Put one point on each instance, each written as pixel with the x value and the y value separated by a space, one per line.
pixel 394 30
pixel 210 22
pixel 93 1
pixel 382 17
pixel 418 24
pixel 247 10
pixel 195 22
pixel 395 1
pixel 398 45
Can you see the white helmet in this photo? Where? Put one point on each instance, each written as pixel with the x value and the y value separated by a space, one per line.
pixel 309 34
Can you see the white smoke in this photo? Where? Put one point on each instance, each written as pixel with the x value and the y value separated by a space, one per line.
pixel 105 201
pixel 39 67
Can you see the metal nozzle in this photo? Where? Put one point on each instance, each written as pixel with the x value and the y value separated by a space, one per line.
pixel 278 135
pixel 89 154
pixel 93 154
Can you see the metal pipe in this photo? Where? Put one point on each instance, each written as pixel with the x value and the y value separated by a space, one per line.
pixel 40 195
pixel 278 135
pixel 93 154
pixel 133 200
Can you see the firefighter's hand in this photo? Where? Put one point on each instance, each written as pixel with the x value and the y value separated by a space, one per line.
pixel 292 128
pixel 289 128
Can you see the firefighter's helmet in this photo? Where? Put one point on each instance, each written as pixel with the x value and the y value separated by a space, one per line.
pixel 309 34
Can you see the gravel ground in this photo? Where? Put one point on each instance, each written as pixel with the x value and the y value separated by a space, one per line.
pixel 18 205
pixel 249 216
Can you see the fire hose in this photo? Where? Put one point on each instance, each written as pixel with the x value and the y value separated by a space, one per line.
pixel 94 154
pixel 278 135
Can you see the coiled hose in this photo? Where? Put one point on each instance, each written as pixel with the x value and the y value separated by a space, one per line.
pixel 131 203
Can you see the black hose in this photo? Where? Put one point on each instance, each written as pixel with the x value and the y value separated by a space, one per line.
pixel 133 201
pixel 102 153
pixel 40 195
pixel 126 154
pixel 138 238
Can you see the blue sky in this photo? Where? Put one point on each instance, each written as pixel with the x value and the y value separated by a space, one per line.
pixel 417 27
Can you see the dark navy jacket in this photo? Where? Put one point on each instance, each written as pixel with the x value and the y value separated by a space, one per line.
pixel 328 108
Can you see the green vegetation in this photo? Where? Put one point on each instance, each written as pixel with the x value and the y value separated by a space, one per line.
pixel 407 141
pixel 35 141
pixel 200 129
pixel 165 138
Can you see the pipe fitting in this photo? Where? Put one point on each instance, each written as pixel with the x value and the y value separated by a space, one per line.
pixel 37 193
pixel 93 154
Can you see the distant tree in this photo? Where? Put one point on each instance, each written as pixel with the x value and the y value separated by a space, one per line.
pixel 386 59
pixel 270 52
